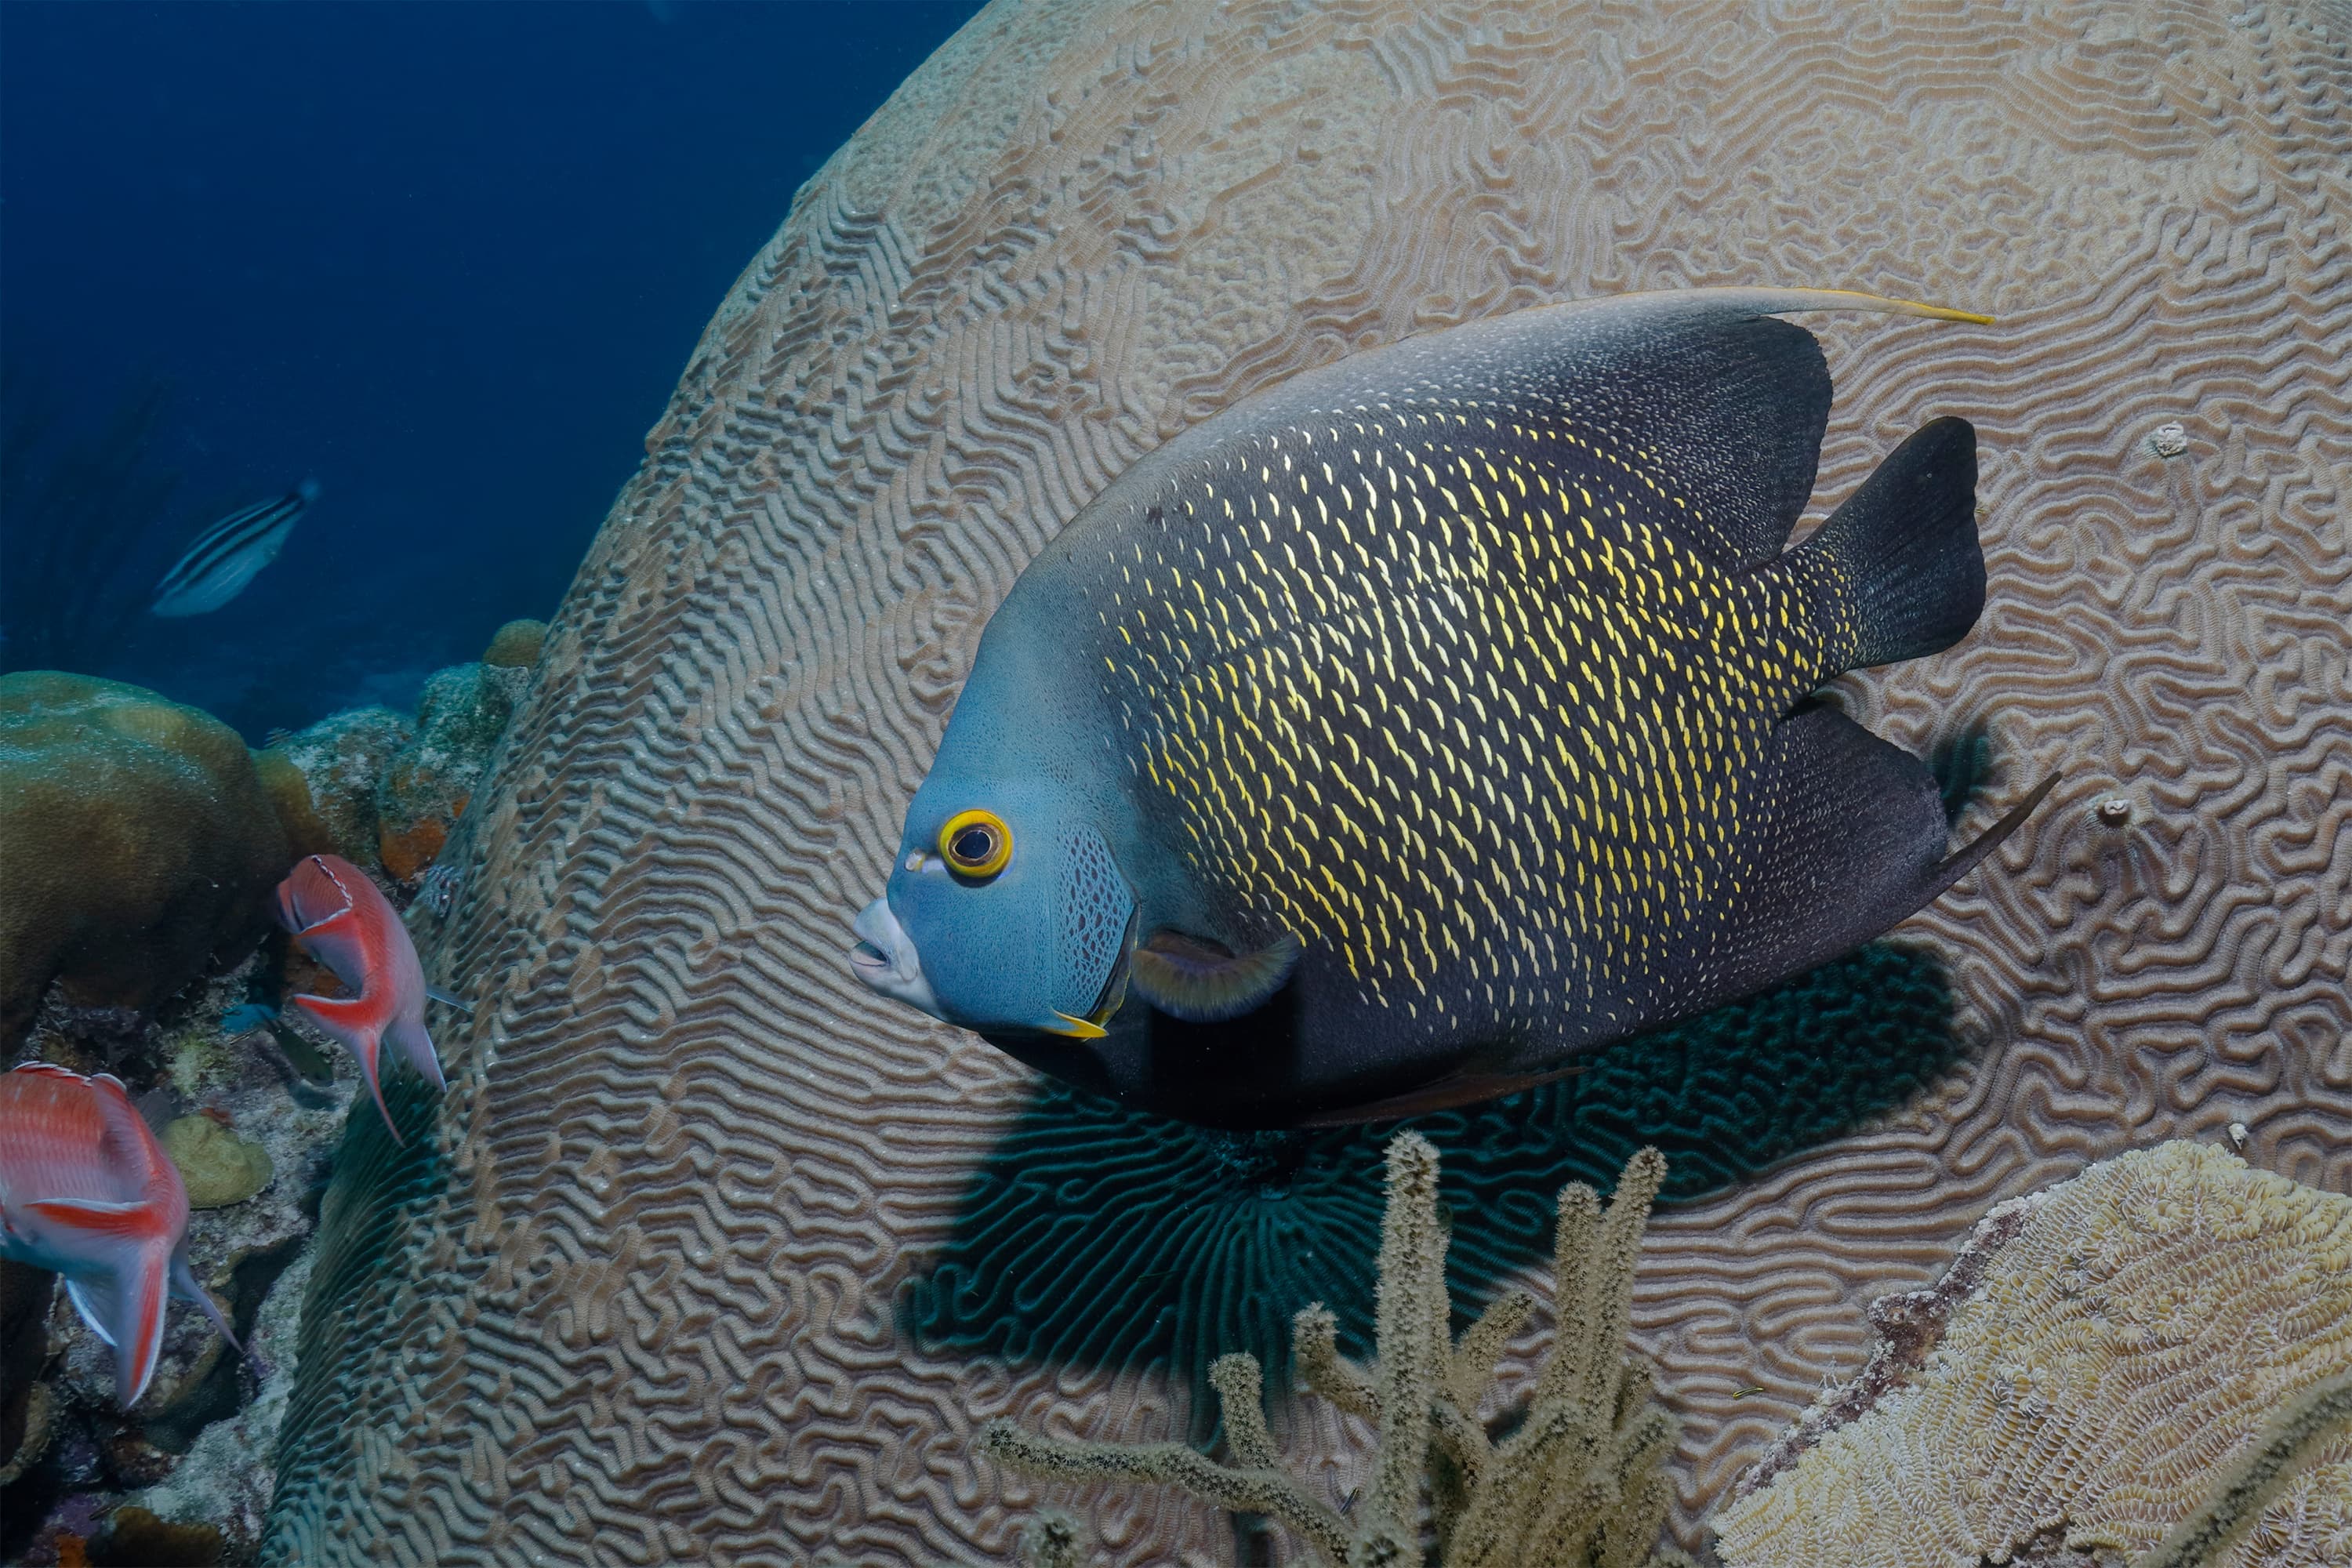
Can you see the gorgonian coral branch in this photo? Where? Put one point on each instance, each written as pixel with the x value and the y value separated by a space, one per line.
pixel 1580 1483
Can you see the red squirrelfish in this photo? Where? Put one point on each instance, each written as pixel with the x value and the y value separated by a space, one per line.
pixel 337 914
pixel 87 1192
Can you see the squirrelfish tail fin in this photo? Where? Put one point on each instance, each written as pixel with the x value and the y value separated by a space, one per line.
pixel 1901 553
pixel 101 1224
pixel 185 1286
pixel 354 1021
pixel 415 1048
pixel 121 1299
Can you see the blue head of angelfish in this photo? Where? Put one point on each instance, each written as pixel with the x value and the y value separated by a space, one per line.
pixel 1005 910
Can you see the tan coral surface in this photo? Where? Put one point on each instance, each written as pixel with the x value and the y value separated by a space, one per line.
pixel 2308 1524
pixel 646 1308
pixel 2113 1359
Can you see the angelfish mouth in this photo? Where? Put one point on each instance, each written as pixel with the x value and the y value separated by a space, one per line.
pixel 886 960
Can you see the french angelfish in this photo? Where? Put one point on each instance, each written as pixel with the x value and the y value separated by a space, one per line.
pixel 219 561
pixel 87 1192
pixel 1406 730
pixel 345 922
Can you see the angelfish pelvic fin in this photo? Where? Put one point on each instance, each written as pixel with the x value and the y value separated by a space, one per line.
pixel 1200 982
pixel 1075 1029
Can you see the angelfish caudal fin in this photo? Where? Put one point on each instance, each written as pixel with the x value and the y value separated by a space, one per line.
pixel 1962 861
pixel 1903 551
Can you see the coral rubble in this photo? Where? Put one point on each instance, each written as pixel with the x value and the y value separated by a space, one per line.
pixel 1577 1479
pixel 425 788
pixel 2095 1360
pixel 140 845
pixel 324 780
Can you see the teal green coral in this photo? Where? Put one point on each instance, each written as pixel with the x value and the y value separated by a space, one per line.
pixel 1579 1482
pixel 1094 1235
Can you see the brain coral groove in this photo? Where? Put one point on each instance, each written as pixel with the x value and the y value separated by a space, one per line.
pixel 640 1306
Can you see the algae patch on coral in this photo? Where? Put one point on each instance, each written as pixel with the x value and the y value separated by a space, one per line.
pixel 217 1167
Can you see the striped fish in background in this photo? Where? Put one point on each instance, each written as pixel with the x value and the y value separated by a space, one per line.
pixel 223 557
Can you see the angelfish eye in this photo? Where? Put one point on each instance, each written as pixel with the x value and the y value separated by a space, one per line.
pixel 976 844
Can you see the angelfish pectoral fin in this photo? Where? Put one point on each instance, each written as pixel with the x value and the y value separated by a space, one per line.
pixel 1202 982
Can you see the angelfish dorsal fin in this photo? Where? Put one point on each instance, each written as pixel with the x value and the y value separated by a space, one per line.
pixel 1202 982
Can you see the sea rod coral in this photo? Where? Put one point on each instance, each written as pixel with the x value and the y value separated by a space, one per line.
pixel 1579 1479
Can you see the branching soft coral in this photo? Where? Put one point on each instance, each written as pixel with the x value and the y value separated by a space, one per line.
pixel 1578 1482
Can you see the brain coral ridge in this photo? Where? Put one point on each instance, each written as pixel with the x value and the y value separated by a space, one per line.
pixel 2100 1356
pixel 634 1296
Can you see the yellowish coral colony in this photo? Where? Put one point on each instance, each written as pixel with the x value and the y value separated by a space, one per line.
pixel 2128 1337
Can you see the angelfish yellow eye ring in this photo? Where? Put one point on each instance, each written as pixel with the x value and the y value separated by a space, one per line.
pixel 976 844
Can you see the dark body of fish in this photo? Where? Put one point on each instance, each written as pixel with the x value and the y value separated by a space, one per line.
pixel 1474 667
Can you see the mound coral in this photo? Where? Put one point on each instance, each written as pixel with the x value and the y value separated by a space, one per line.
pixel 140 845
pixel 2097 1358
pixel 218 1167
pixel 516 645
pixel 1578 1480
pixel 324 780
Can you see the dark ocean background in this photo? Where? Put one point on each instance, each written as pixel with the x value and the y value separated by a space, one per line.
pixel 446 259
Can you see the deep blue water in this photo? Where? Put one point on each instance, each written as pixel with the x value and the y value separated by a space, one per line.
pixel 448 259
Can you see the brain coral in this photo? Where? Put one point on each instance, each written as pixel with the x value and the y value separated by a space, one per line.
pixel 2113 1344
pixel 137 844
pixel 638 1300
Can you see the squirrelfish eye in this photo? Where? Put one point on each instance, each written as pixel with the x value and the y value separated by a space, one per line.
pixel 976 844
